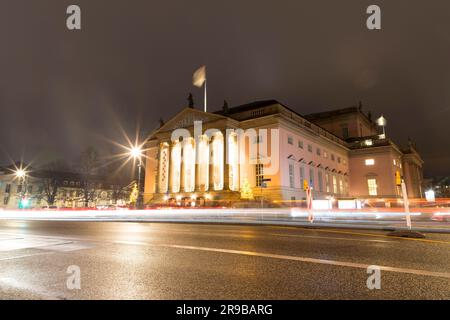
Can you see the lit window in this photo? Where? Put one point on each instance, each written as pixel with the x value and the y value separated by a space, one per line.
pixel 370 162
pixel 372 185
pixel 335 190
pixel 259 174
pixel 325 154
pixel 368 142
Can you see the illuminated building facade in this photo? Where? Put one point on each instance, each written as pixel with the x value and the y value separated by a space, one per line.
pixel 67 189
pixel 274 150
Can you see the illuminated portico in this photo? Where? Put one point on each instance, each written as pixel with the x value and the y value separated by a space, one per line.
pixel 235 151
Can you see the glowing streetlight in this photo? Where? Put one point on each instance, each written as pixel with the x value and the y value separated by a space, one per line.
pixel 136 153
pixel 381 122
pixel 20 173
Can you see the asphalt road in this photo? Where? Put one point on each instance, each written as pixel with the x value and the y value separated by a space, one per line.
pixel 126 260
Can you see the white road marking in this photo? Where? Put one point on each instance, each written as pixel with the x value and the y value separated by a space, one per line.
pixel 296 258
pixel 25 256
pixel 331 238
pixel 43 293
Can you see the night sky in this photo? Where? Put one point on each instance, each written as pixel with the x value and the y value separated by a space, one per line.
pixel 132 63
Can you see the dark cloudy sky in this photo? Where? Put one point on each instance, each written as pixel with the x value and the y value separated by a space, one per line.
pixel 132 62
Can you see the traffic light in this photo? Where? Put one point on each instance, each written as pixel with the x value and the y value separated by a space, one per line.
pixel 398 178
pixel 24 203
pixel 305 184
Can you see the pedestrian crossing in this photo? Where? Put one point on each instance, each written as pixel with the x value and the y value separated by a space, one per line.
pixel 12 243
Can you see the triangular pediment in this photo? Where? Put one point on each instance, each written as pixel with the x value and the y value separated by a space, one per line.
pixel 186 117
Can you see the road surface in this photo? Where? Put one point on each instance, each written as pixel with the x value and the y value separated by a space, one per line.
pixel 127 260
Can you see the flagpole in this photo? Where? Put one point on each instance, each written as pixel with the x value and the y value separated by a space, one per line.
pixel 205 95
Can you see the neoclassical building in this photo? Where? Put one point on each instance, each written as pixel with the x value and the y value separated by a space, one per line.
pixel 199 158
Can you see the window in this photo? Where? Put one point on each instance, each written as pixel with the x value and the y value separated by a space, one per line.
pixel 258 112
pixel 372 185
pixel 257 139
pixel 302 175
pixel 300 144
pixel 8 188
pixel 6 200
pixel 339 159
pixel 341 186
pixel 325 155
pixel 290 140
pixel 327 182
pixel 345 132
pixel 368 142
pixel 291 175
pixel 320 181
pixel 259 170
pixel 309 148
pixel 332 157
pixel 335 190
pixel 370 162
pixel 318 151
pixel 311 177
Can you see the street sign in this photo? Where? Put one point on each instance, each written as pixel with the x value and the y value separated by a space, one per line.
pixel 266 180
pixel 305 185
pixel 398 178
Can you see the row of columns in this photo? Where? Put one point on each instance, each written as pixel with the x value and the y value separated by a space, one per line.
pixel 216 180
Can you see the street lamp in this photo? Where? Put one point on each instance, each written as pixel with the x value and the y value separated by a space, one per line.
pixel 21 174
pixel 381 122
pixel 136 153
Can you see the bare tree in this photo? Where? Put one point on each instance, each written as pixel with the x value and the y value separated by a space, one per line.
pixel 50 180
pixel 88 167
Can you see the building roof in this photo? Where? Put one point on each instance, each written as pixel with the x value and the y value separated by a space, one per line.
pixel 248 107
pixel 336 113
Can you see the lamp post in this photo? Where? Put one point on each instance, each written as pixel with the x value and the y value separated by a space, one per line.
pixel 21 175
pixel 381 122
pixel 136 153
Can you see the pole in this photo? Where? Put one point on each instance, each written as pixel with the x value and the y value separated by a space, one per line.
pixel 138 202
pixel 205 95
pixel 262 203
pixel 309 203
pixel 406 204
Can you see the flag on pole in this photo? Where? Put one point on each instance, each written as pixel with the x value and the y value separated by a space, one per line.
pixel 199 77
